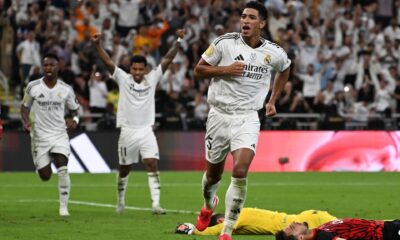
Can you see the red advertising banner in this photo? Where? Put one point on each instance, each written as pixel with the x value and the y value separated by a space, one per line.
pixel 326 151
pixel 277 151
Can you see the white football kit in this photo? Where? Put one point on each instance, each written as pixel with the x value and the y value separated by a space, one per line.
pixel 136 116
pixel 233 120
pixel 47 110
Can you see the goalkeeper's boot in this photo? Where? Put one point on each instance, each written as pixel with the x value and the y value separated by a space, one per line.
pixel 224 237
pixel 204 218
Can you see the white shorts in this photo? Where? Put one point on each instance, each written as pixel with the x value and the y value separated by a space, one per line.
pixel 134 144
pixel 42 148
pixel 227 133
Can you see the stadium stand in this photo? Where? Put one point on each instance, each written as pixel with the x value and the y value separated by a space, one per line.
pixel 345 55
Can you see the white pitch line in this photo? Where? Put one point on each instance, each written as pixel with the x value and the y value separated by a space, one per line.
pixel 251 184
pixel 104 205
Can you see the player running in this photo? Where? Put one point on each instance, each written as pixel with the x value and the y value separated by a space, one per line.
pixel 42 112
pixel 241 65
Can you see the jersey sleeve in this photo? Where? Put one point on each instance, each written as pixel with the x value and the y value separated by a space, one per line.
pixel 281 63
pixel 322 235
pixel 118 74
pixel 28 98
pixel 72 102
pixel 155 75
pixel 213 54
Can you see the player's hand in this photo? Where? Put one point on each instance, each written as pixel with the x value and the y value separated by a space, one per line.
pixel 27 127
pixel 185 228
pixel 180 33
pixel 96 38
pixel 71 124
pixel 270 110
pixel 236 68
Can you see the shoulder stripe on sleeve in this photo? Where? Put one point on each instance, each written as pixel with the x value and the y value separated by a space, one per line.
pixel 226 36
pixel 67 85
pixel 31 85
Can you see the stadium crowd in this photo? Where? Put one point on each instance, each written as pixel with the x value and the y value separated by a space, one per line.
pixel 345 54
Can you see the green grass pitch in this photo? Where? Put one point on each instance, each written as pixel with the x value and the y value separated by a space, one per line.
pixel 29 207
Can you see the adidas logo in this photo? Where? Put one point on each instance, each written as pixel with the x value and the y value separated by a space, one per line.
pixel 239 58
pixel 41 95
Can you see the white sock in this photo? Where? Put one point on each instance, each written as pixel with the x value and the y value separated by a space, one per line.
pixel 154 186
pixel 122 183
pixel 209 192
pixel 234 201
pixel 64 185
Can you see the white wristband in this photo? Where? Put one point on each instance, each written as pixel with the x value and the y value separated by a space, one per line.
pixel 76 119
pixel 179 40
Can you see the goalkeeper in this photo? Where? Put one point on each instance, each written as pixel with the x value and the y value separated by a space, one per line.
pixel 253 221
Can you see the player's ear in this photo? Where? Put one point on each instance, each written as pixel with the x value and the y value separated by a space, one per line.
pixel 263 23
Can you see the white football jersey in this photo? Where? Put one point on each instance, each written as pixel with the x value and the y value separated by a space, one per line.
pixel 242 94
pixel 47 107
pixel 136 106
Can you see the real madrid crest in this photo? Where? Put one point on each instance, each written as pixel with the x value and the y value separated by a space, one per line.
pixel 268 59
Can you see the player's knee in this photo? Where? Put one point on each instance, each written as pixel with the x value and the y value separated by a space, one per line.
pixel 124 171
pixel 239 172
pixel 213 179
pixel 45 177
pixel 151 165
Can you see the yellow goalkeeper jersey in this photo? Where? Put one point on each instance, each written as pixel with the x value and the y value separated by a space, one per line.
pixel 253 221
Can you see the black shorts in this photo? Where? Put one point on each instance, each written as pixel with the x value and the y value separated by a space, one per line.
pixel 391 230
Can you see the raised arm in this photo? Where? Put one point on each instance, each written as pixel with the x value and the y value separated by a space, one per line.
pixel 167 59
pixel 96 38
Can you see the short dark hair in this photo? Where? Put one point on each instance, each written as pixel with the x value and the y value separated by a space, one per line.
pixel 281 235
pixel 51 55
pixel 139 59
pixel 262 11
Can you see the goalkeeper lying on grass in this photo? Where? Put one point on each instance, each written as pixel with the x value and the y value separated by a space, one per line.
pixel 253 221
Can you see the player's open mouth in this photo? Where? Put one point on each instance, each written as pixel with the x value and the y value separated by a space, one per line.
pixel 245 28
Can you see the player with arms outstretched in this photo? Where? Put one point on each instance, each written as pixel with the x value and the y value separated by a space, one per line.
pixel 241 65
pixel 42 114
pixel 135 117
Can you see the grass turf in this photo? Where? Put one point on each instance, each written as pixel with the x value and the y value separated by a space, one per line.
pixel 29 207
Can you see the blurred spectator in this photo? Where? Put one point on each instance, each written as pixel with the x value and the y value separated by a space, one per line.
pixel 342 40
pixel 128 16
pixel 117 49
pixel 98 93
pixel 141 39
pixel 84 30
pixel 28 53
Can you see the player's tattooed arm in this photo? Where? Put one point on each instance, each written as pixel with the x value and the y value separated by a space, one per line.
pixel 72 122
pixel 167 59
pixel 96 38
pixel 26 123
